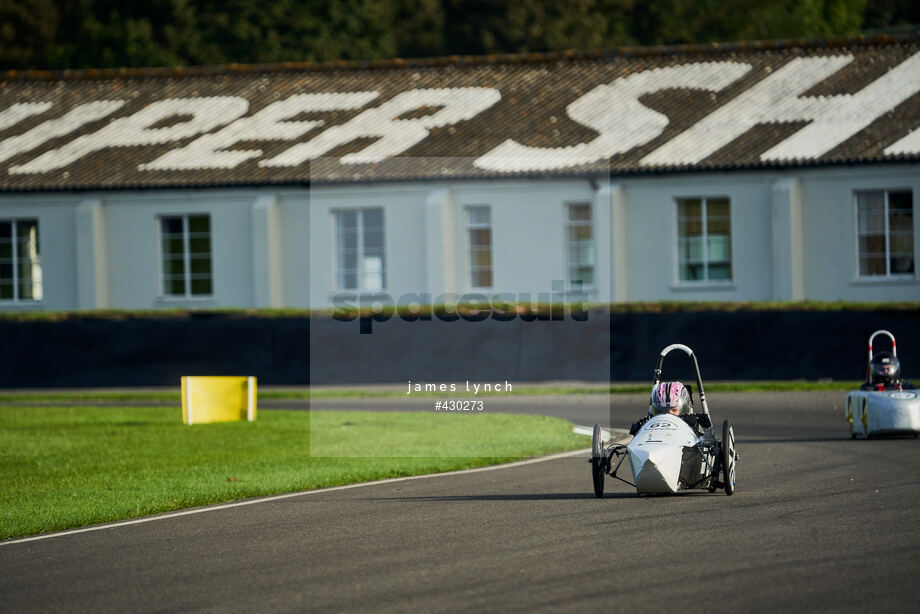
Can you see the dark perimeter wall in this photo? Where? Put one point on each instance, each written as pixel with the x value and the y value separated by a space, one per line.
pixel 739 345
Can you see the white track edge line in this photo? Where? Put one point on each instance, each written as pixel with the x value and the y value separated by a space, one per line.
pixel 611 433
pixel 223 506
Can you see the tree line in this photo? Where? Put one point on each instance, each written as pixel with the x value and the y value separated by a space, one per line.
pixel 51 34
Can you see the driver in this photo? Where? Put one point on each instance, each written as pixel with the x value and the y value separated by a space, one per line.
pixel 885 374
pixel 671 398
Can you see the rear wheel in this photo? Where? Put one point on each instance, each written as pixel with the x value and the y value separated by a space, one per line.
pixel 728 457
pixel 598 461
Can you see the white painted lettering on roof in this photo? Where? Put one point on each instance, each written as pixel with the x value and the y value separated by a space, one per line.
pixel 615 112
pixel 910 144
pixel 19 111
pixel 844 115
pixel 204 133
pixel 394 135
pixel 206 114
pixel 51 129
pixel 778 98
pixel 267 125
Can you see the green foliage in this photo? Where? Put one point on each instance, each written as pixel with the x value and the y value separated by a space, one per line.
pixel 703 21
pixel 27 28
pixel 482 26
pixel 110 33
pixel 892 16
pixel 544 309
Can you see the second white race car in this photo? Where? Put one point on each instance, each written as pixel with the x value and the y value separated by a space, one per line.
pixel 884 404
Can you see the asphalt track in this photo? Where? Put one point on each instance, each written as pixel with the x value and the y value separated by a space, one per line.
pixel 819 522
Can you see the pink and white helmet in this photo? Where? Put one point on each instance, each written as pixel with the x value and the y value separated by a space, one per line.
pixel 668 396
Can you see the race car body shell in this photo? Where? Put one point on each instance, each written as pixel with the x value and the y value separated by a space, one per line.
pixel 656 453
pixel 883 412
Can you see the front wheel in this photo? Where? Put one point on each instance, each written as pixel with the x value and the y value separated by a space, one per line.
pixel 597 460
pixel 728 457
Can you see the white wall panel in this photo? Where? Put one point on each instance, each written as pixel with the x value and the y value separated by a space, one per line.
pixel 529 240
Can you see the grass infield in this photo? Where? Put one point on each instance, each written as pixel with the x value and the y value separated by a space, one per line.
pixel 66 467
pixel 172 396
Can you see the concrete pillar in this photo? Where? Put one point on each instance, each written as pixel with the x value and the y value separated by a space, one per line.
pixel 788 267
pixel 603 242
pixel 267 278
pixel 440 257
pixel 612 197
pixel 91 260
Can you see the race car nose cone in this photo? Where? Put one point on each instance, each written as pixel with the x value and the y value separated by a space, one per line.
pixel 659 472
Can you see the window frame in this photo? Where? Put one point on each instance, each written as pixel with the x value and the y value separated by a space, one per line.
pixel 470 226
pixel 359 230
pixel 568 223
pixel 186 257
pixel 706 281
pixel 888 276
pixel 14 262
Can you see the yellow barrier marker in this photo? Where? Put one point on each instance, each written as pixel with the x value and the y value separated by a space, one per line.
pixel 218 399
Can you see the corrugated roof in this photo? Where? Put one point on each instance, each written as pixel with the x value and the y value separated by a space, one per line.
pixel 690 108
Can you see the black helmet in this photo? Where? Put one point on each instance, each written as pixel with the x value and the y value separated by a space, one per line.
pixel 884 369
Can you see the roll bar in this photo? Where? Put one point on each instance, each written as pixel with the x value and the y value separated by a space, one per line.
pixel 894 346
pixel 894 350
pixel 699 380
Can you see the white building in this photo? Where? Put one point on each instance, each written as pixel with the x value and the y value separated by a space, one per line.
pixel 739 173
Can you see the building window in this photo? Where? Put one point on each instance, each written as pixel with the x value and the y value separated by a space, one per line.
pixel 479 225
pixel 580 243
pixel 20 261
pixel 704 239
pixel 186 250
pixel 360 262
pixel 886 233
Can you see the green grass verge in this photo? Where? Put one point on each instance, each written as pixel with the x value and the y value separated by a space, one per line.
pixel 172 396
pixel 65 467
pixel 765 386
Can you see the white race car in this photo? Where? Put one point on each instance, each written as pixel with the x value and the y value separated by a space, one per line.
pixel 884 405
pixel 673 448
